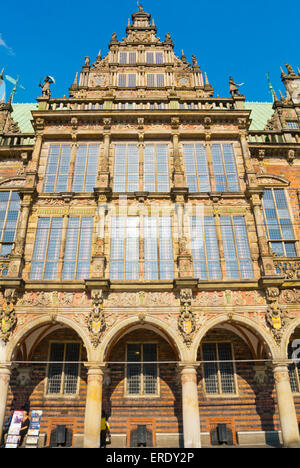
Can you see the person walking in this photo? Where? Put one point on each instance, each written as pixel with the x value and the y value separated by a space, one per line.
pixel 105 431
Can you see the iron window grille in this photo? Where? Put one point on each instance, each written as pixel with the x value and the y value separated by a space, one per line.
pixel 141 378
pixel 63 376
pixel 219 375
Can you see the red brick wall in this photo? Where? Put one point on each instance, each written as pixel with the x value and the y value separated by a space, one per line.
pixel 33 394
pixel 164 410
pixel 252 409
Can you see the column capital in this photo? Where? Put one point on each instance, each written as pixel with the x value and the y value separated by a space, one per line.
pixel 95 368
pixel 188 367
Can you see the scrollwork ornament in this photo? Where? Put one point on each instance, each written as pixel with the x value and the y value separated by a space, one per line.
pixel 8 321
pixel 96 321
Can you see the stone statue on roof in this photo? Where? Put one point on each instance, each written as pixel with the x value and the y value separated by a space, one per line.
pixel 234 88
pixel 46 86
pixel 140 6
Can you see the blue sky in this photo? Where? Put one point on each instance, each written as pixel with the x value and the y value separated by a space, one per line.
pixel 242 39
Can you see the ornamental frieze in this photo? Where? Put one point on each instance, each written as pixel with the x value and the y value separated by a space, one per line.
pixel 142 299
pixel 53 298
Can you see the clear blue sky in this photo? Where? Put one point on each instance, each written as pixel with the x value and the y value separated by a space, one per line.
pixel 238 38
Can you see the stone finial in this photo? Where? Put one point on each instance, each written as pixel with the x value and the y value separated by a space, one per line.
pixel 290 69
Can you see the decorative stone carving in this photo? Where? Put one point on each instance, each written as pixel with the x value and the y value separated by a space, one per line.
pixel 290 296
pixel 186 296
pixel 187 324
pixel 276 320
pixel 96 320
pixel 288 269
pixel 8 321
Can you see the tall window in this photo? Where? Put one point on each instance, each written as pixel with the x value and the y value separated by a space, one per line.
pixel 57 170
pixel 9 213
pixel 86 168
pixel 46 255
pixel 224 168
pixel 155 80
pixel 142 378
pixel 158 248
pixel 126 172
pixel 196 168
pixel 78 248
pixel 205 248
pixel 218 374
pixel 46 250
pixel 127 80
pixel 156 168
pixel 126 248
pixel 278 223
pixel 63 374
pixel 236 247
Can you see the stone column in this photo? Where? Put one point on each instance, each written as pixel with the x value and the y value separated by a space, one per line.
pixel 286 406
pixel 5 373
pixel 190 407
pixel 93 409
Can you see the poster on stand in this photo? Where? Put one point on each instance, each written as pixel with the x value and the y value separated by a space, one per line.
pixel 34 429
pixel 14 430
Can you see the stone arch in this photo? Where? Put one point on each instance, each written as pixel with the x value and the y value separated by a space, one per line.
pixel 246 322
pixel 287 336
pixel 133 323
pixel 44 320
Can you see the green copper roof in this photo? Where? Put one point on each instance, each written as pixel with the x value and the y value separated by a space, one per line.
pixel 261 113
pixel 22 116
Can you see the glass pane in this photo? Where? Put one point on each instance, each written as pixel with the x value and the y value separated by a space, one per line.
pixel 210 369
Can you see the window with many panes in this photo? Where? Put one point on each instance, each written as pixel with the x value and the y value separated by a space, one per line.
pixel 224 168
pixel 132 235
pixel 155 163
pixel 218 369
pixel 63 369
pixel 128 58
pixel 224 171
pixel 196 168
pixel 237 255
pixel 86 168
pixel 155 80
pixel 293 125
pixel 141 369
pixel 205 250
pixel 156 168
pixel 154 58
pixel 205 247
pixel 127 80
pixel 58 175
pixel 278 223
pixel 46 261
pixel 9 213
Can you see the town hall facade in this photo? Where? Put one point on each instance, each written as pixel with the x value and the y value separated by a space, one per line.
pixel 149 252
